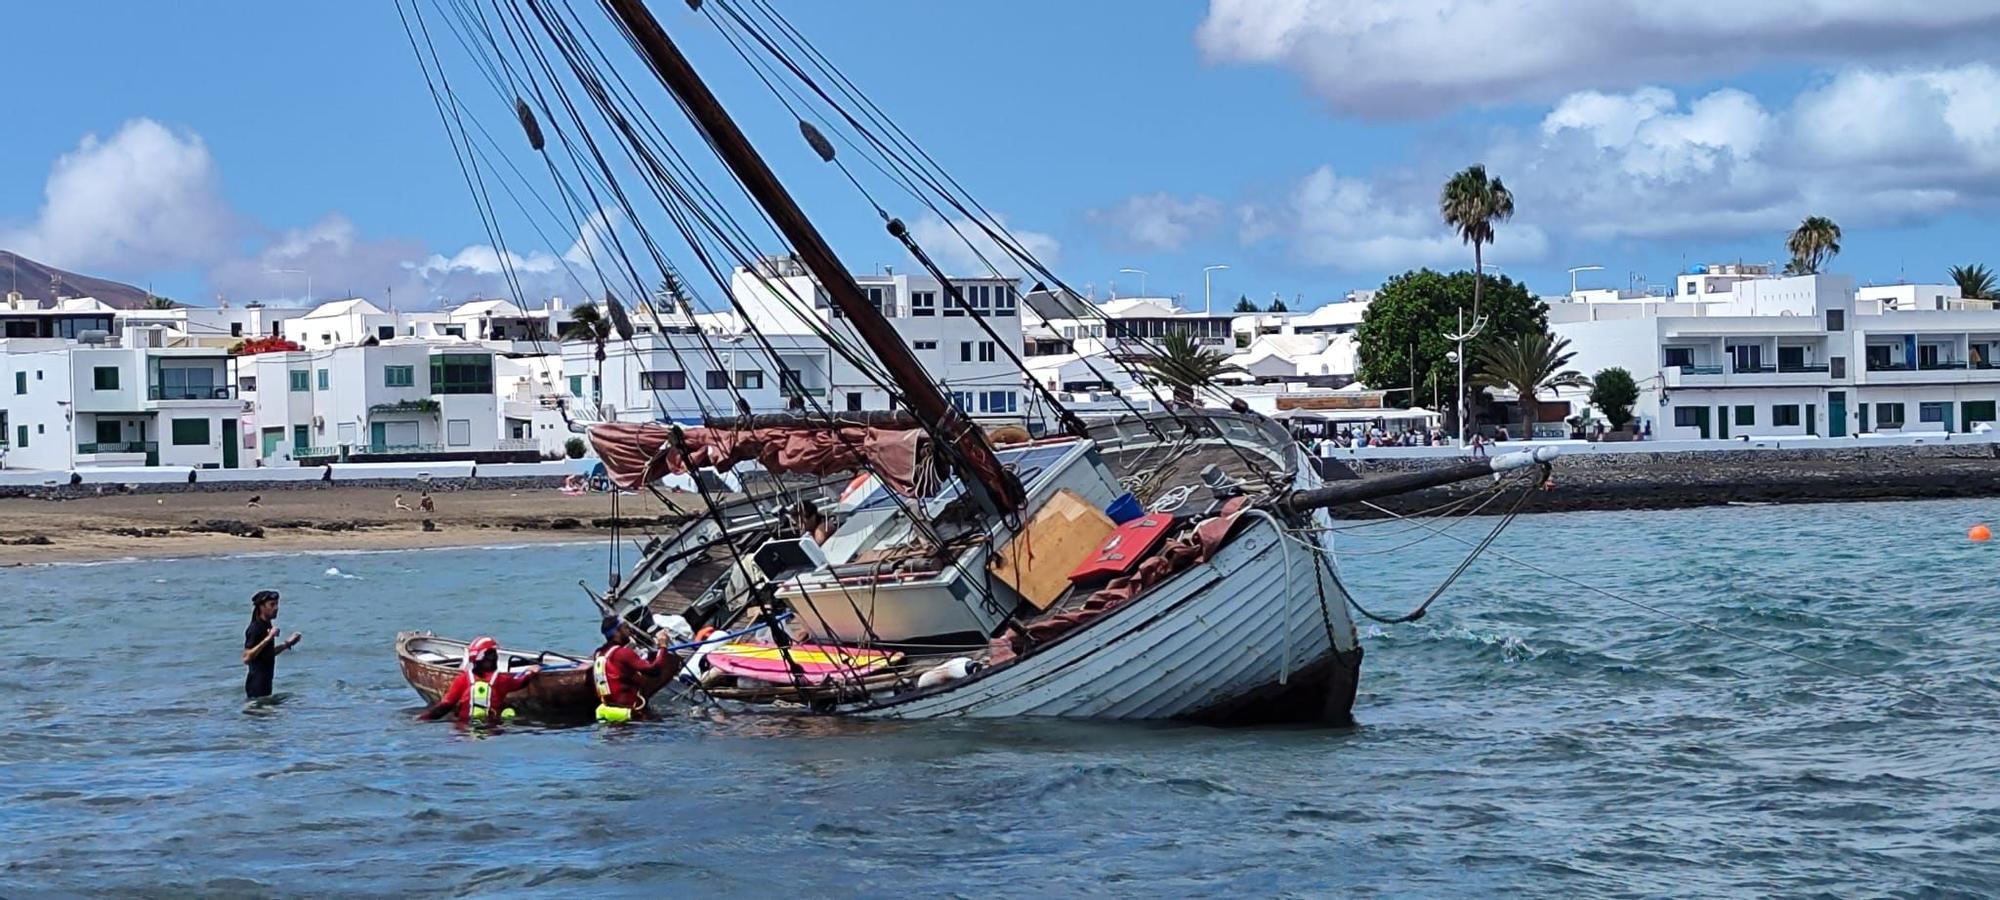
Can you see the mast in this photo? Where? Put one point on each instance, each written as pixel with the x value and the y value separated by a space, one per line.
pixel 926 402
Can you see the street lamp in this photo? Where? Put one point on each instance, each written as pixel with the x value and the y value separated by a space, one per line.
pixel 1205 309
pixel 1458 356
pixel 1142 273
pixel 1572 276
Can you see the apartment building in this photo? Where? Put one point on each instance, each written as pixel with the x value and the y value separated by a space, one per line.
pixel 100 403
pixel 404 398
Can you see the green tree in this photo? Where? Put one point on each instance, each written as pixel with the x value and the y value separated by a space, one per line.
pixel 574 448
pixel 1278 305
pixel 1528 365
pixel 1185 366
pixel 671 297
pixel 588 323
pixel 1403 334
pixel 1815 241
pixel 157 302
pixel 1614 392
pixel 1975 282
pixel 1243 304
pixel 1471 203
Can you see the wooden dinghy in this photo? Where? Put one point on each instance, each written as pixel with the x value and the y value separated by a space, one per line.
pixel 562 693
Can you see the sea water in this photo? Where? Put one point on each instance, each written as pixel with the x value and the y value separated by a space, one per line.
pixel 1526 737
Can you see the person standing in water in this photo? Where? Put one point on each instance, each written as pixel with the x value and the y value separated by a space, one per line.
pixel 261 645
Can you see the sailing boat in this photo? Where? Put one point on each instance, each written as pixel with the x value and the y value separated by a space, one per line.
pixel 957 575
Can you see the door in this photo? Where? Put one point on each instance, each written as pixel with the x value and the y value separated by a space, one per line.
pixel 301 440
pixel 271 438
pixel 1861 418
pixel 1722 422
pixel 1812 418
pixel 401 434
pixel 232 454
pixel 378 436
pixel 1701 421
pixel 1836 413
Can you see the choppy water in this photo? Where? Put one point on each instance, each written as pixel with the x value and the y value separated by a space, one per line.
pixel 1524 738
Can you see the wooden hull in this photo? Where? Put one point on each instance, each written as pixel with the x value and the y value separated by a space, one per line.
pixel 1243 638
pixel 563 692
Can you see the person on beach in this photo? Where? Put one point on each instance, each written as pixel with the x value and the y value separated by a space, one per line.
pixel 616 667
pixel 261 645
pixel 400 504
pixel 426 504
pixel 479 694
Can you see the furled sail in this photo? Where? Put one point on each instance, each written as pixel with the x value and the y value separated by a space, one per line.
pixel 637 454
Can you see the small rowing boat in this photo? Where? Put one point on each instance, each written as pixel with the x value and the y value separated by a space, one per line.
pixel 563 692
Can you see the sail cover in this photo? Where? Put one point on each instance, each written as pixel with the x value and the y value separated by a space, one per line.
pixel 636 454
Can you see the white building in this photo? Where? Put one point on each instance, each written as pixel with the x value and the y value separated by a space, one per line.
pixel 69 405
pixel 402 398
pixel 1792 356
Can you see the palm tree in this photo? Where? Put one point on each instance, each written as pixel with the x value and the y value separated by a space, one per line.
pixel 157 302
pixel 1184 366
pixel 1975 282
pixel 1529 365
pixel 588 323
pixel 1470 204
pixel 1815 241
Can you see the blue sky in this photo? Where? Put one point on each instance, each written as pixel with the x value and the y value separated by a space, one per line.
pixel 198 147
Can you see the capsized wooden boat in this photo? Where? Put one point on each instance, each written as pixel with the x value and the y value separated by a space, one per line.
pixel 563 692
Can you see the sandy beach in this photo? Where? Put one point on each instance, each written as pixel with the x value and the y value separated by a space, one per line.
pixel 179 524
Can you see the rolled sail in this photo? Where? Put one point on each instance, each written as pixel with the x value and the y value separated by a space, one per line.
pixel 636 454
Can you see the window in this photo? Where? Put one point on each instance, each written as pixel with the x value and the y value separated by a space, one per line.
pixel 247 384
pixel 923 303
pixel 1877 357
pixel 1679 356
pixel 964 351
pixel 1974 412
pixel 1005 301
pixel 853 401
pixel 458 432
pixel 1836 320
pixel 188 384
pixel 301 439
pixel 236 329
pixel 21 432
pixel 385 332
pixel 1746 415
pixel 1687 416
pixel 108 431
pixel 576 385
pixel 882 298
pixel 20 382
pixel 399 376
pixel 462 373
pixel 923 345
pixel 962 400
pixel 1786 416
pixel 1931 412
pixel 750 379
pixel 1836 366
pixel 986 351
pixel 663 380
pixel 981 298
pixel 1791 359
pixel 190 432
pixel 718 380
pixel 301 380
pixel 104 378
pixel 951 307
pixel 457 331
pixel 997 401
pixel 1888 415
pixel 324 380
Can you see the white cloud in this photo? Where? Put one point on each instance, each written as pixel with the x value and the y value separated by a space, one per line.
pixel 959 252
pixel 1421 57
pixel 1158 221
pixel 147 197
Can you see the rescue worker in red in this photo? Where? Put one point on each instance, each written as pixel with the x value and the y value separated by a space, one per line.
pixel 479 694
pixel 616 669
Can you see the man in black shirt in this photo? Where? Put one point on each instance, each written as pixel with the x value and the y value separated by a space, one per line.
pixel 261 645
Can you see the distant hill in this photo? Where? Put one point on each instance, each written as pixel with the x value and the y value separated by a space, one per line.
pixel 36 280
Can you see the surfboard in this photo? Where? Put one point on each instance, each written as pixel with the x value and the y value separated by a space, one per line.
pixel 762 662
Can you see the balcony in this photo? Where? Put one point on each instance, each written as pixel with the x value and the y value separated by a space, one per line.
pixel 119 447
pixel 1732 375
pixel 194 392
pixel 1802 369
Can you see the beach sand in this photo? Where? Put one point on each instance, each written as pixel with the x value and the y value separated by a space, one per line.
pixel 207 523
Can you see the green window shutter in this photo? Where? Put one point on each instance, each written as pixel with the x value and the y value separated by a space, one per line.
pixel 190 432
pixel 301 380
pixel 323 381
pixel 20 383
pixel 104 378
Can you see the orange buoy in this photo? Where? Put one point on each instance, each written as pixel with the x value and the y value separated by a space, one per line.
pixel 1980 533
